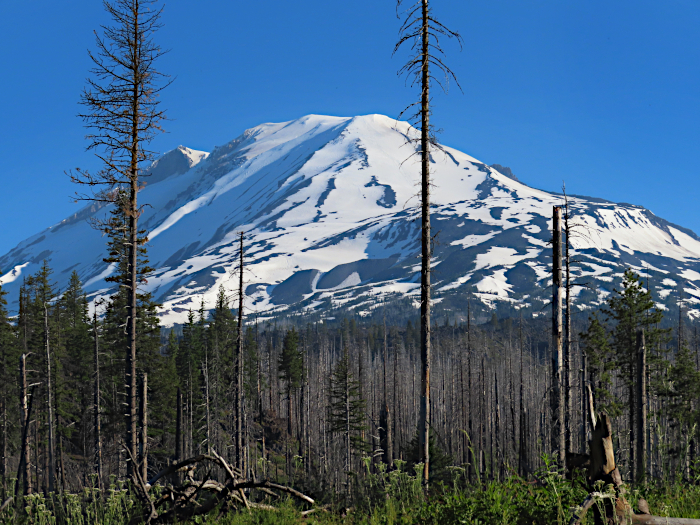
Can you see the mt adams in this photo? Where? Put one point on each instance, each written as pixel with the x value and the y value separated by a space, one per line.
pixel 331 218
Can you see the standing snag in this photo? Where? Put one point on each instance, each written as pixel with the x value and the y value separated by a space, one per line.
pixel 122 115
pixel 558 373
pixel 422 32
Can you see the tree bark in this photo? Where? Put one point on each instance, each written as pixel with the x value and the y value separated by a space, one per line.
pixel 559 433
pixel 568 418
pixel 497 422
pixel 97 430
pixel 389 445
pixel 521 425
pixel 144 426
pixel 51 458
pixel 25 425
pixel 426 248
pixel 641 408
pixel 178 426
pixel 470 427
pixel 239 367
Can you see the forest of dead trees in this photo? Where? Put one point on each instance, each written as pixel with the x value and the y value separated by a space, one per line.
pixel 319 397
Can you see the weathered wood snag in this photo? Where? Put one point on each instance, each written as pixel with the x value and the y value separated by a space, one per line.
pixel 610 506
pixel 559 416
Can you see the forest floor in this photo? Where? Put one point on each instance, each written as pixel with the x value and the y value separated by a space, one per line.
pixel 388 498
pixel 512 502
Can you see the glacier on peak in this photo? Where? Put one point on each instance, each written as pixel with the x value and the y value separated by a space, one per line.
pixel 329 212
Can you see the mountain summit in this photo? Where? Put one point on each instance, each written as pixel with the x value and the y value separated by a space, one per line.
pixel 329 207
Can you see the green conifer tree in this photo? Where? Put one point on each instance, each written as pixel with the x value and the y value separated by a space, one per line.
pixel 189 359
pixel 252 380
pixel 148 344
pixel 346 410
pixel 631 309
pixel 291 371
pixel 601 365
pixel 74 376
pixel 9 430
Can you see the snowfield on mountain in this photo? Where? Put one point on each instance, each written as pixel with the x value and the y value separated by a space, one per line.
pixel 330 212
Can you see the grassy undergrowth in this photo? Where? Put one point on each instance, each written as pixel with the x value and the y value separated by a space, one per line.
pixel 396 498
pixel 387 498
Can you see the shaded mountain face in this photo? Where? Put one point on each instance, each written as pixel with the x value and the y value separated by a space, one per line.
pixel 331 218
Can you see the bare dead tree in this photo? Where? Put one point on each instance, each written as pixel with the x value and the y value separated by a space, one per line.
pixel 25 406
pixel 144 426
pixel 239 367
pixel 641 407
pixel 97 430
pixel 389 442
pixel 49 402
pixel 122 115
pixel 421 32
pixel 568 379
pixel 178 426
pixel 558 358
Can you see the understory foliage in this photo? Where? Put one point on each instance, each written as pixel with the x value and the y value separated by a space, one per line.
pixel 387 498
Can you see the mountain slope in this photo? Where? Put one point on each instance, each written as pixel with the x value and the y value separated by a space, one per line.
pixel 329 210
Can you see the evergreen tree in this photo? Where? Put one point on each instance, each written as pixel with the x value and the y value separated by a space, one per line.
pixel 290 361
pixel 221 338
pixel 73 383
pixel 439 460
pixel 147 325
pixel 252 379
pixel 683 392
pixel 601 366
pixel 291 370
pixel 346 410
pixel 631 309
pixel 44 352
pixel 9 356
pixel 189 360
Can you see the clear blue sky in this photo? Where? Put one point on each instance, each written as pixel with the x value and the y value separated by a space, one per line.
pixel 602 94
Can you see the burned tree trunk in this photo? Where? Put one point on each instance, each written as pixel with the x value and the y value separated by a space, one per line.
pixel 522 448
pixel 558 419
pixel 25 425
pixel 239 367
pixel 144 426
pixel 426 248
pixel 178 426
pixel 568 364
pixel 641 408
pixel 97 431
pixel 388 444
pixel 51 458
pixel 422 31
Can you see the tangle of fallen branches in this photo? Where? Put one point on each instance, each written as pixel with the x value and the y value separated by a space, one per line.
pixel 195 498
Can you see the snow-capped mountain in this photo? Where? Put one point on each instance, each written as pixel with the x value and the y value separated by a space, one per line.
pixel 330 214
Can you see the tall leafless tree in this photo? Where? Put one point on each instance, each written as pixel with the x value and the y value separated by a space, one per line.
pixel 557 342
pixel 421 32
pixel 239 366
pixel 97 429
pixel 25 462
pixel 122 115
pixel 49 404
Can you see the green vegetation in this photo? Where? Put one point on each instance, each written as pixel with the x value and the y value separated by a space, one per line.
pixel 387 498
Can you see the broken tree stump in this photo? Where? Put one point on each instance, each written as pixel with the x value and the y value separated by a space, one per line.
pixel 610 506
